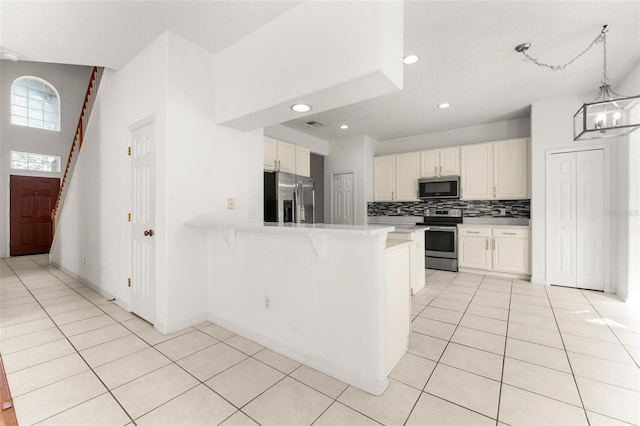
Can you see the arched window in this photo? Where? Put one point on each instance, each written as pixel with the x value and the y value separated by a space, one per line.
pixel 35 103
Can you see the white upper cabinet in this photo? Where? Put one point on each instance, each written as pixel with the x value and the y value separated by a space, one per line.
pixel 476 171
pixel 396 177
pixel 285 157
pixel 450 161
pixel 303 162
pixel 384 176
pixel 511 169
pixel 440 162
pixel 429 163
pixel 270 154
pixel 407 174
pixel 495 170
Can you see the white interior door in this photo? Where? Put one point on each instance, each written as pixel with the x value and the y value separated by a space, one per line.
pixel 142 222
pixel 343 199
pixel 590 219
pixel 561 219
pixel 575 219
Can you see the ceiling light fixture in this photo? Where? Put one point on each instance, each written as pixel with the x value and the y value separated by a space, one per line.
pixel 410 59
pixel 444 105
pixel 344 126
pixel 606 116
pixel 9 56
pixel 301 107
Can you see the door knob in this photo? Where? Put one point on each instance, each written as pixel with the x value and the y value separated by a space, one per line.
pixel 148 233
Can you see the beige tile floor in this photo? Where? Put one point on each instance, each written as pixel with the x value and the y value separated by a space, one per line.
pixel 483 350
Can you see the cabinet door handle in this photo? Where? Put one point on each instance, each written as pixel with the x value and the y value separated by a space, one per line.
pixel 473 232
pixel 509 233
pixel 494 192
pixel 486 244
pixel 393 195
pixel 494 244
pixel 275 165
pixel 435 170
pixel 440 169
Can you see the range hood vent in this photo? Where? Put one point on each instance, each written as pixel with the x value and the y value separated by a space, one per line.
pixel 313 123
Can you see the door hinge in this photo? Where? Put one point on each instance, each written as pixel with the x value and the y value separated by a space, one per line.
pixel 129 217
pixel 128 282
pixel 129 151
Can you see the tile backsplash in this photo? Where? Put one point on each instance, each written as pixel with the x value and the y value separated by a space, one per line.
pixel 476 208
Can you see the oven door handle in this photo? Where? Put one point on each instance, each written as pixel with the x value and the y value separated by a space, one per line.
pixel 443 228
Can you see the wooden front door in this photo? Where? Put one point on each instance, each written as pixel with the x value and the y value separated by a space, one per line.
pixel 31 202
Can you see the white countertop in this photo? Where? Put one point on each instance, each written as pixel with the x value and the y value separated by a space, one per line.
pixel 487 225
pixel 308 228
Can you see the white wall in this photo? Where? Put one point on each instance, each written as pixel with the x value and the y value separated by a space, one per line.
pixel 293 59
pixel 93 222
pixel 204 165
pixel 552 128
pixel 509 129
pixel 351 155
pixel 199 165
pixel 71 81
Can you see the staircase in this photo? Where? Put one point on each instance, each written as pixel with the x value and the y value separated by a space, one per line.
pixel 87 107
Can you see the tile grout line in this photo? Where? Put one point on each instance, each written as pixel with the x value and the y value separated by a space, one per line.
pixel 443 351
pixel 573 375
pixel 610 329
pixel 504 355
pixel 72 345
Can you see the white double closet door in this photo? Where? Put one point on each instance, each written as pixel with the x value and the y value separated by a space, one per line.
pixel 576 219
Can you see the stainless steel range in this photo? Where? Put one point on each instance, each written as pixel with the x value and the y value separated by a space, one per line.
pixel 441 239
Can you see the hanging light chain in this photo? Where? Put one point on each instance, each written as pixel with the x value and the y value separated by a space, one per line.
pixel 602 37
pixel 605 80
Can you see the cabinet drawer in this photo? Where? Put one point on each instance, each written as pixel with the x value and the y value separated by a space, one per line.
pixel 510 233
pixel 474 232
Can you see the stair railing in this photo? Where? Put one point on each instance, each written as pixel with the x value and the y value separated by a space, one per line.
pixel 78 139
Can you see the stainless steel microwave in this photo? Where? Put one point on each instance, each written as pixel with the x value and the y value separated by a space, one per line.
pixel 442 187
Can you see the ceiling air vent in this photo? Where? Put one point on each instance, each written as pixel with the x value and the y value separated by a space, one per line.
pixel 313 123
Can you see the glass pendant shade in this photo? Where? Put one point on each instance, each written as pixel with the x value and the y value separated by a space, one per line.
pixel 606 118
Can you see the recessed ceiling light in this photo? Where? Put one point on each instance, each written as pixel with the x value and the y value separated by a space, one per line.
pixel 444 105
pixel 410 59
pixel 344 126
pixel 301 107
pixel 9 56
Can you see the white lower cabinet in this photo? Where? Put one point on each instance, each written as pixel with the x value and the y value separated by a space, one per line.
pixel 398 304
pixel 501 249
pixel 416 254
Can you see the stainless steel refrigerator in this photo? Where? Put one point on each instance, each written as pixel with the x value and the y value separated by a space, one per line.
pixel 288 198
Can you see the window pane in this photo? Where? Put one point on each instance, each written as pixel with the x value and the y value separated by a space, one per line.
pixel 51 106
pixel 35 123
pixel 19 156
pixel 18 111
pixel 35 94
pixel 52 117
pixel 35 104
pixel 35 158
pixel 18 90
pixel 35 84
pixel 22 165
pixel 35 166
pixel 36 114
pixel 51 126
pixel 20 121
pixel 22 82
pixel 18 100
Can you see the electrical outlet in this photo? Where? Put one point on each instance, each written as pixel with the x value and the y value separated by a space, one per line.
pixel 252 213
pixel 399 210
pixel 267 303
pixel 503 212
pixel 231 204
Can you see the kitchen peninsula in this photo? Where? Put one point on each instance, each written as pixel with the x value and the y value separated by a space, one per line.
pixel 316 293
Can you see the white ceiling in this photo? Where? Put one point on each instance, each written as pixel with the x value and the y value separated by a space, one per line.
pixel 466 50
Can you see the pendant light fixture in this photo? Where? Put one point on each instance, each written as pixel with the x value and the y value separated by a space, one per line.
pixel 609 114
